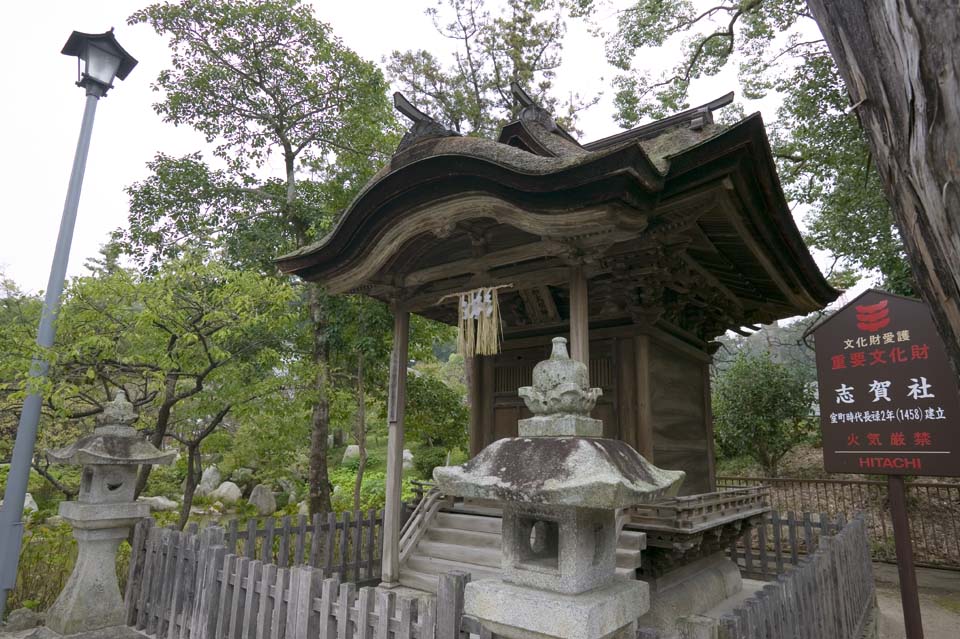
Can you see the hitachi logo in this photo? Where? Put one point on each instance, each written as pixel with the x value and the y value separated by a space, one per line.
pixel 912 463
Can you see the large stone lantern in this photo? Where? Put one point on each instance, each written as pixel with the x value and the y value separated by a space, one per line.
pixel 561 484
pixel 101 517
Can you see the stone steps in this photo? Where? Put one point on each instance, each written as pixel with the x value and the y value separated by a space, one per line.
pixel 467 538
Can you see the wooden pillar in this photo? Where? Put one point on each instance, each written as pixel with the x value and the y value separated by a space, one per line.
pixel 396 404
pixel 579 316
pixel 476 397
pixel 644 407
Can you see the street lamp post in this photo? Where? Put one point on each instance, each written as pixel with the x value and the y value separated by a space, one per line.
pixel 102 59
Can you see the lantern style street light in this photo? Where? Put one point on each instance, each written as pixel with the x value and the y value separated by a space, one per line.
pixel 103 60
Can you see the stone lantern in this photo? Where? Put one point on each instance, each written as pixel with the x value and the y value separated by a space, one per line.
pixel 101 517
pixel 560 484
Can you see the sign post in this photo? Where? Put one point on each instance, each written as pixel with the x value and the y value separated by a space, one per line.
pixel 889 405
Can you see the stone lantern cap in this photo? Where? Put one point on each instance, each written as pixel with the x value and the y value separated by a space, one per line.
pixel 113 442
pixel 583 472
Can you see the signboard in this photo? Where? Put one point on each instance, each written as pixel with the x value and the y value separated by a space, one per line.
pixel 889 401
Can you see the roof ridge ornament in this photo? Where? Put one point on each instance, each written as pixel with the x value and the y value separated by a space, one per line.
pixel 424 126
pixel 533 112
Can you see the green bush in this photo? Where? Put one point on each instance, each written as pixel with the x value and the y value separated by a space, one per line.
pixel 426 458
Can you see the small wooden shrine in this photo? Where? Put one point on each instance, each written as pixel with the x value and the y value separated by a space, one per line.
pixel 642 247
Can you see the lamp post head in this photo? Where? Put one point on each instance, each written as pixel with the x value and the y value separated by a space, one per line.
pixel 103 60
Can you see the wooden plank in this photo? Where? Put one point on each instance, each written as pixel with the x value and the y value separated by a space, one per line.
pixel 278 622
pixel 748 549
pixel 149 570
pixel 426 618
pixel 407 607
pixel 357 545
pixel 792 533
pixel 344 538
pixel 268 580
pixel 316 540
pixel 165 594
pixel 310 584
pixel 777 541
pixel 301 540
pixel 239 600
pixel 226 592
pixel 283 555
pixel 251 605
pixel 209 596
pixel 762 541
pixel 450 589
pixel 135 571
pixel 396 407
pixel 371 542
pixel 292 601
pixel 232 537
pixel 344 604
pixel 366 606
pixel 385 604
pixel 330 543
pixel 250 544
pixel 177 589
pixel 327 622
pixel 808 533
pixel 266 550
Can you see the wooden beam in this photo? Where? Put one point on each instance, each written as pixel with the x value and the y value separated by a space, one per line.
pixel 579 316
pixel 495 259
pixel 641 350
pixel 396 405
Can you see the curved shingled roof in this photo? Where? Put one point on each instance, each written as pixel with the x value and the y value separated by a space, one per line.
pixel 682 221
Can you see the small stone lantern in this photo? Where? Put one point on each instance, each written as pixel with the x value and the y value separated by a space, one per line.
pixel 101 517
pixel 561 484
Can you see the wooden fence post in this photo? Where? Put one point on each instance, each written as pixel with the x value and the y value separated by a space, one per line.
pixel 135 573
pixel 450 603
pixel 208 595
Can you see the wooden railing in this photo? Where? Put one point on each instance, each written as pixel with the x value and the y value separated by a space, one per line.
pixel 419 521
pixel 934 511
pixel 781 541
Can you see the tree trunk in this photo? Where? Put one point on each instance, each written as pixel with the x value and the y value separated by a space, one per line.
pixel 361 434
pixel 159 430
pixel 319 483
pixel 900 63
pixel 193 479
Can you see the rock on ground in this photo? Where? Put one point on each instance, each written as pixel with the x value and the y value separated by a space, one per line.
pixel 407 459
pixel 303 508
pixel 22 619
pixel 352 452
pixel 261 497
pixel 227 492
pixel 209 481
pixel 159 503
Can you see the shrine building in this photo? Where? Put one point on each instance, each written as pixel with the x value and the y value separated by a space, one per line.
pixel 642 248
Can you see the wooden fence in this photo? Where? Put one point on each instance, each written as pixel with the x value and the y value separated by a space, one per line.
pixel 933 508
pixel 829 594
pixel 186 585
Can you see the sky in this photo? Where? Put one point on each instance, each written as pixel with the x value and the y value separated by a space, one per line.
pixel 42 115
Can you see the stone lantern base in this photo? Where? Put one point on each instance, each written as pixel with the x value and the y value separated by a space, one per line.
pixel 91 600
pixel 519 612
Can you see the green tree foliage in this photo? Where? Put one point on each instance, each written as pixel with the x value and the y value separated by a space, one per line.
pixel 761 409
pixel 190 344
pixel 436 413
pixel 777 48
pixel 522 43
pixel 260 78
